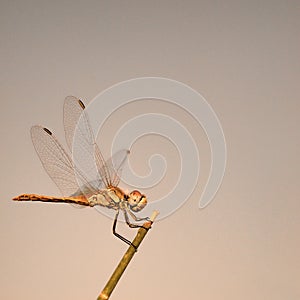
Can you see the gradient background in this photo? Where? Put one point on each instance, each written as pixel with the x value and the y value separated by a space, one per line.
pixel 243 57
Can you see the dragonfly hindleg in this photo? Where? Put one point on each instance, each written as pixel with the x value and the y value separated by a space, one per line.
pixel 117 234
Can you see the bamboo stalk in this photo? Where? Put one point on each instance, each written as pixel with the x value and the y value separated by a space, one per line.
pixel 115 277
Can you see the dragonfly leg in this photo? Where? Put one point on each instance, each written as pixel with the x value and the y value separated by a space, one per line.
pixel 132 225
pixel 117 234
pixel 135 218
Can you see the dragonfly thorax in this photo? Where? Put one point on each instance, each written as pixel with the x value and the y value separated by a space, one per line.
pixel 111 197
pixel 115 198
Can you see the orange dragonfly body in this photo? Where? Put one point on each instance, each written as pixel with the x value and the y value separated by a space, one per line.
pixel 74 179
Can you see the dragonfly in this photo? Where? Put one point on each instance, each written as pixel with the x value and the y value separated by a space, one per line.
pixel 77 183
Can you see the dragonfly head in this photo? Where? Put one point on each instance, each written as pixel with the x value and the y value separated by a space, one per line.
pixel 136 201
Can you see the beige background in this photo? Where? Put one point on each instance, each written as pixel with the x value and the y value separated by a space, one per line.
pixel 243 57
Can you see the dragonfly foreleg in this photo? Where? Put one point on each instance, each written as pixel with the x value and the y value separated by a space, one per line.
pixel 117 234
pixel 132 225
pixel 135 218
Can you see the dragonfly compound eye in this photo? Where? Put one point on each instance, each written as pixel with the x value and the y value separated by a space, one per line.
pixel 137 201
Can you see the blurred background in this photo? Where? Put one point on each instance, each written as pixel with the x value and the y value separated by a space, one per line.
pixel 243 57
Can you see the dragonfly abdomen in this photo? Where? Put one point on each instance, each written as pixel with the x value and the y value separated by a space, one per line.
pixel 81 200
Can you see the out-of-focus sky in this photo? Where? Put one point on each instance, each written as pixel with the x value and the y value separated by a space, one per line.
pixel 243 57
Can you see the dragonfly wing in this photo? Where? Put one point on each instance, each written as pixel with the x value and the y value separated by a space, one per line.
pixel 112 168
pixel 73 109
pixel 57 162
pixel 85 151
pixel 76 121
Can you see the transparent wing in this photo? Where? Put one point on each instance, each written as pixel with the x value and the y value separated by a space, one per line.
pixel 117 162
pixel 115 166
pixel 58 163
pixel 83 148
pixel 86 152
pixel 73 109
